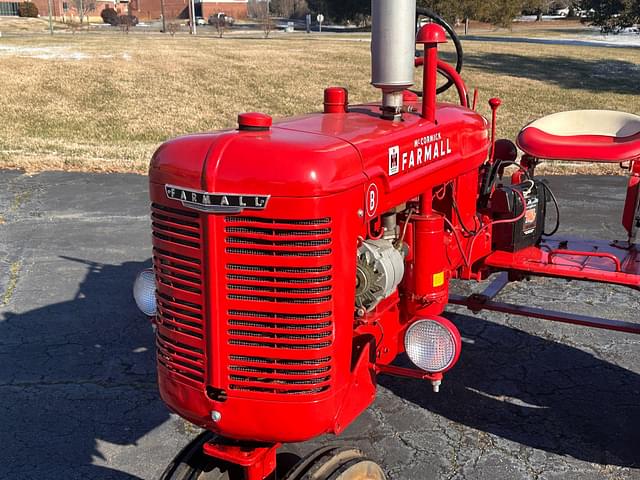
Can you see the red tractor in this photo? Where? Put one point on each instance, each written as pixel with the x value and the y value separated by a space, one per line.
pixel 294 262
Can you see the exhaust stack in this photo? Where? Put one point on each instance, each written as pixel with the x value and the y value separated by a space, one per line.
pixel 392 51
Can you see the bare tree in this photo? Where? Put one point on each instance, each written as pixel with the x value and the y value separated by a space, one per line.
pixel 283 8
pixel 172 28
pixel 253 8
pixel 126 22
pixel 221 24
pixel 262 10
pixel 290 8
pixel 301 8
pixel 83 7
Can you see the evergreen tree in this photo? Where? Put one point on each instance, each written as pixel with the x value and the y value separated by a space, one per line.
pixel 612 15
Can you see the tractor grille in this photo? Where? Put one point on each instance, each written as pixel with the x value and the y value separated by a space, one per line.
pixel 279 291
pixel 177 262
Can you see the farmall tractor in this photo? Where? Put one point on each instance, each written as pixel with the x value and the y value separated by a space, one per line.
pixel 293 262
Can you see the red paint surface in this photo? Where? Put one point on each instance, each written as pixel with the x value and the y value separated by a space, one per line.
pixel 224 277
pixel 256 309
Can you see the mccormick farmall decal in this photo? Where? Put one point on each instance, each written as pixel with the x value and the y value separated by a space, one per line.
pixel 425 149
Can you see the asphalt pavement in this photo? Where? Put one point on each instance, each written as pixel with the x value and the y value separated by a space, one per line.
pixel 78 396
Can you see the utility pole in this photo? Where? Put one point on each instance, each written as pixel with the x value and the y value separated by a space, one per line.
pixel 164 25
pixel 50 19
pixel 192 17
pixel 81 11
pixel 193 13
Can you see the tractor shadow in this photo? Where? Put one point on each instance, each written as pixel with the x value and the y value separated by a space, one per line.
pixel 605 75
pixel 78 381
pixel 536 392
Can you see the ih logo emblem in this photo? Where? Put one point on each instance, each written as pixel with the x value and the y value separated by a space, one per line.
pixel 394 160
pixel 216 202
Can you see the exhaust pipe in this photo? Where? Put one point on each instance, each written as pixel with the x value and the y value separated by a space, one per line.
pixel 392 51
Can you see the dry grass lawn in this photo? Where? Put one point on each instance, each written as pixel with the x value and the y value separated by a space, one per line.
pixel 104 102
pixel 23 25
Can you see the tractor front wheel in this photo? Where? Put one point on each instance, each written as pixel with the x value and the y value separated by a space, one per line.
pixel 336 463
pixel 192 464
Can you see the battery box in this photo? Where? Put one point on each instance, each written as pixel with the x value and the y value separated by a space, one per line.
pixel 507 204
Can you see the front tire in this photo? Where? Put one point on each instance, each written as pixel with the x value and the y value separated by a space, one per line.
pixel 336 463
pixel 192 464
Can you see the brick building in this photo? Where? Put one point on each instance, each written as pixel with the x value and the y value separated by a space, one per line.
pixel 235 8
pixel 143 9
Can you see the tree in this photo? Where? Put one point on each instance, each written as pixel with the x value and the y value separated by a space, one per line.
pixel 261 12
pixel 321 6
pixel 283 8
pixel 300 8
pixel 537 7
pixel 83 7
pixel 110 16
pixel 173 28
pixel 348 10
pixel 612 15
pixel 496 12
pixel 126 22
pixel 220 22
pixel 27 9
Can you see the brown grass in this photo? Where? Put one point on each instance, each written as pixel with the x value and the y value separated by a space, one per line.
pixel 15 25
pixel 109 110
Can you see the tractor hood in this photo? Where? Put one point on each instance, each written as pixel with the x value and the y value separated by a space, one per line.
pixel 321 154
pixel 276 162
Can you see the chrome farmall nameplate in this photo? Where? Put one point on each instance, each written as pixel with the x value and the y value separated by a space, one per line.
pixel 216 202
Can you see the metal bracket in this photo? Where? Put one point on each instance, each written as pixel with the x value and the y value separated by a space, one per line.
pixel 257 461
pixel 484 301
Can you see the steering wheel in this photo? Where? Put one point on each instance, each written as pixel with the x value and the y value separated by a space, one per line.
pixel 426 12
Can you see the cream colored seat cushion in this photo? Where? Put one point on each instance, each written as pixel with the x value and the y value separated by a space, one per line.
pixel 589 122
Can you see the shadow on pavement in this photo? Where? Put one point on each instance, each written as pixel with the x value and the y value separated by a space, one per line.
pixel 602 75
pixel 77 377
pixel 536 392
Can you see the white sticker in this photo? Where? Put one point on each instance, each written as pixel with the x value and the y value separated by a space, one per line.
pixel 394 160
pixel 372 199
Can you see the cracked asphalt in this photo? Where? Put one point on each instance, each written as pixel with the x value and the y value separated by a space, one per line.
pixel 78 398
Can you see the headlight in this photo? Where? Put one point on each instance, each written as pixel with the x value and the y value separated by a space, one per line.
pixel 144 292
pixel 433 344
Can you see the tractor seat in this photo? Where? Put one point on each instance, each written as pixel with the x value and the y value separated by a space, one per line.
pixel 583 135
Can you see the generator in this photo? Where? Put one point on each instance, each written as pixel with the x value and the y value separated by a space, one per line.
pixel 295 261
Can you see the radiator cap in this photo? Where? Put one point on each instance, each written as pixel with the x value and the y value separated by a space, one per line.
pixel 254 121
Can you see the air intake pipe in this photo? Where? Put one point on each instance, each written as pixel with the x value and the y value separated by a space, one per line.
pixel 392 51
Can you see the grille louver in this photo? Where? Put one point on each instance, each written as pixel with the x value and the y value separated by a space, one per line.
pixel 279 289
pixel 177 262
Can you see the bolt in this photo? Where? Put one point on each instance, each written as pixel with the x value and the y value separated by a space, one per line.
pixel 216 416
pixel 361 213
pixel 436 385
